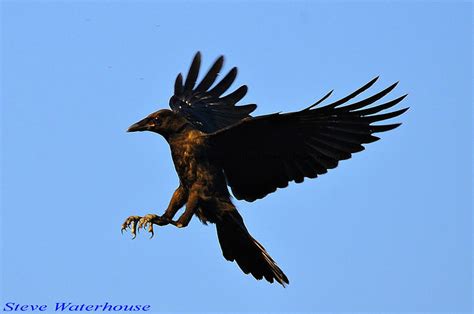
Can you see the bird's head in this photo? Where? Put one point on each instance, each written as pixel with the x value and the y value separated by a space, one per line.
pixel 164 122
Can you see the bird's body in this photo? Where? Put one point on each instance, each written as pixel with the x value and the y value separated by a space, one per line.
pixel 204 190
pixel 215 144
pixel 198 175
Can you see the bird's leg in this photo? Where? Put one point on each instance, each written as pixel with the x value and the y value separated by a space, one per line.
pixel 135 223
pixel 191 207
pixel 177 201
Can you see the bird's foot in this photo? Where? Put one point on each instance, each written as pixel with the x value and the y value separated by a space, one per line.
pixel 135 223
pixel 131 223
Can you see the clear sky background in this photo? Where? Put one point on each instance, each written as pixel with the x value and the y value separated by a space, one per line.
pixel 388 230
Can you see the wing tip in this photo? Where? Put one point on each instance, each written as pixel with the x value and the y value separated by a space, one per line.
pixel 394 85
pixel 320 100
pixel 384 128
pixel 197 55
pixel 178 84
pixel 402 97
pixel 234 71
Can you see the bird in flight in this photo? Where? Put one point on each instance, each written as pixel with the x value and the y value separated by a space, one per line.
pixel 216 144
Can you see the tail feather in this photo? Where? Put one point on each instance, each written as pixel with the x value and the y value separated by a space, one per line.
pixel 238 245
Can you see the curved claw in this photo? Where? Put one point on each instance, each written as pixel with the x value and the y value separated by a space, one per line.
pixel 135 223
pixel 131 223
pixel 150 230
pixel 134 229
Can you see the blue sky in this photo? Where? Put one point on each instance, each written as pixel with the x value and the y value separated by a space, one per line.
pixel 388 230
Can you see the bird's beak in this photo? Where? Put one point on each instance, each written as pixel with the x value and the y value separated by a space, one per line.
pixel 141 125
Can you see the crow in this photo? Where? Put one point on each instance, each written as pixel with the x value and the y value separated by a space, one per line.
pixel 215 144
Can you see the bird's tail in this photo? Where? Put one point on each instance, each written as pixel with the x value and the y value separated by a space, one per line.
pixel 238 245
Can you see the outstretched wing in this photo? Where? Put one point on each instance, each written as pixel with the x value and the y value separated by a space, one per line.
pixel 264 153
pixel 203 106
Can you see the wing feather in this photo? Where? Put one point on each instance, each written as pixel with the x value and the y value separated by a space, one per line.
pixel 224 84
pixel 193 73
pixel 203 106
pixel 259 155
pixel 211 76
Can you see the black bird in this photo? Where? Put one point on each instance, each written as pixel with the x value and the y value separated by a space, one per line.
pixel 215 144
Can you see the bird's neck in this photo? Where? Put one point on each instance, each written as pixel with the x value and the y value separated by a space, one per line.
pixel 179 132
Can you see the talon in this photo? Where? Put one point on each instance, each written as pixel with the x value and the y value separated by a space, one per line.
pixel 135 223
pixel 141 223
pixel 150 230
pixel 131 223
pixel 146 222
pixel 134 229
